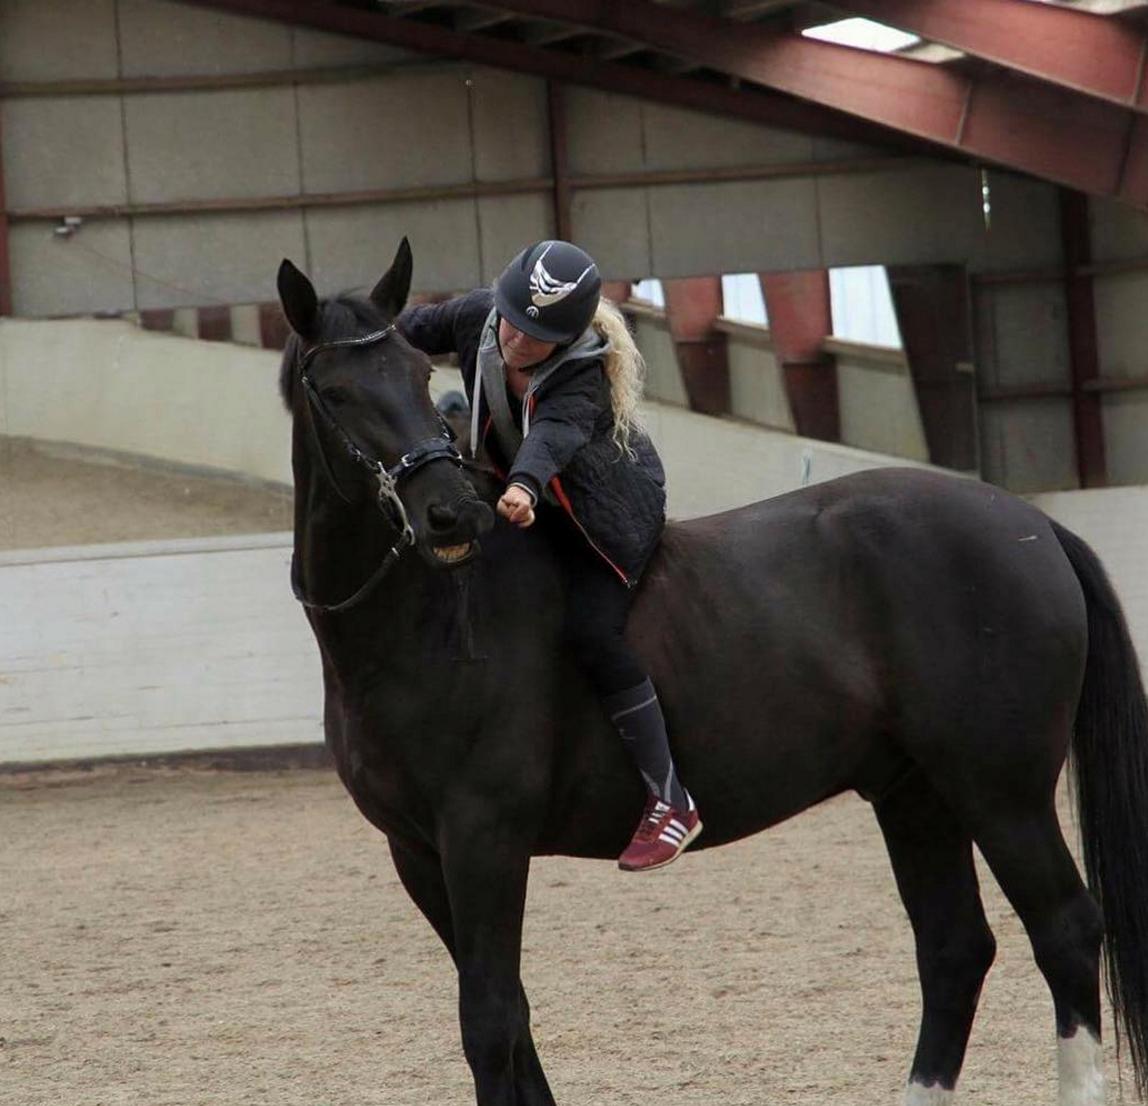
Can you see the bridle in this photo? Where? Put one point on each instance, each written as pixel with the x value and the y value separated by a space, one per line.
pixel 439 448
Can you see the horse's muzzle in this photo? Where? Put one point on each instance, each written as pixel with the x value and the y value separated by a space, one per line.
pixel 450 537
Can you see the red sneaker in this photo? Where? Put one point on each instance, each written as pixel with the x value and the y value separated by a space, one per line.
pixel 660 837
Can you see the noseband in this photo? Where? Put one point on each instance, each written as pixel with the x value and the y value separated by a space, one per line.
pixel 390 503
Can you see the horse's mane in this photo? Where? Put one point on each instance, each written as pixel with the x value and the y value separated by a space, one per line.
pixel 342 316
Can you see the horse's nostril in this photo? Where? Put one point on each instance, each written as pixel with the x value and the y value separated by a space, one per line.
pixel 440 517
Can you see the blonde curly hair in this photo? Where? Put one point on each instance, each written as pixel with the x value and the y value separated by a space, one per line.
pixel 625 369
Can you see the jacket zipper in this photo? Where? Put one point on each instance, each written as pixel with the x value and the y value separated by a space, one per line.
pixel 566 505
pixel 529 401
pixel 485 434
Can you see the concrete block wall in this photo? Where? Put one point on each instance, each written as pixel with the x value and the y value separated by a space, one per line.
pixel 107 385
pixel 877 400
pixel 756 382
pixel 409 123
pixel 1114 521
pixel 1021 339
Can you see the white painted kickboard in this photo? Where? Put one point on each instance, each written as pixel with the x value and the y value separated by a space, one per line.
pixel 154 647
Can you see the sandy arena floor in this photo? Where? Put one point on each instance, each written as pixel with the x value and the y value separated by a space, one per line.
pixel 49 498
pixel 194 937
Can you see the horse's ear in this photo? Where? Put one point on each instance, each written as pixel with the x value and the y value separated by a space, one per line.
pixel 390 294
pixel 300 304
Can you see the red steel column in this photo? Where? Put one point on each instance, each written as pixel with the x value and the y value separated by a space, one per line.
pixel 800 320
pixel 5 263
pixel 616 291
pixel 1088 423
pixel 693 305
pixel 932 306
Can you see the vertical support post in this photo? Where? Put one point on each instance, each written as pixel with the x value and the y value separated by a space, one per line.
pixel 800 319
pixel 693 305
pixel 616 291
pixel 1087 412
pixel 273 328
pixel 932 307
pixel 5 257
pixel 215 324
pixel 559 160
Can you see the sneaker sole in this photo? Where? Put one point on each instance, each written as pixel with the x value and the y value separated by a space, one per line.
pixel 686 841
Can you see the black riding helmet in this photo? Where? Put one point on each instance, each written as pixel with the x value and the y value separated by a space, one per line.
pixel 549 291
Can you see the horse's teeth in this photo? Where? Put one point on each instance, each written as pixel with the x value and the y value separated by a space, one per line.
pixel 451 552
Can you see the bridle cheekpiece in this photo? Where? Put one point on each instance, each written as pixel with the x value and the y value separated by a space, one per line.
pixel 390 503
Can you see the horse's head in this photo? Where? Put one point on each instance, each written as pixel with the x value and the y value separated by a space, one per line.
pixel 366 426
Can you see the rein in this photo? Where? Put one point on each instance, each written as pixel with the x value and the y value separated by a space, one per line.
pixel 389 501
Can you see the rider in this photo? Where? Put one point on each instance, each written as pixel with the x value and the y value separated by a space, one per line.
pixel 554 381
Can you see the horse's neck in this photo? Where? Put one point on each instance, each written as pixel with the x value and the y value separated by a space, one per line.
pixel 417 615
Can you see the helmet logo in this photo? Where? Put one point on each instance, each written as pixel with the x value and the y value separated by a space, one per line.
pixel 545 290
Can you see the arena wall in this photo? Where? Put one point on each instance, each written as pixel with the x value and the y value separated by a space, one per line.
pixel 166 647
pixel 160 647
pixel 153 647
pixel 106 385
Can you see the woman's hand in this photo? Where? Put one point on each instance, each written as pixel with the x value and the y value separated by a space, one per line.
pixel 517 506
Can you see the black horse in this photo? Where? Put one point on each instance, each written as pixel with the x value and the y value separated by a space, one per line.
pixel 933 643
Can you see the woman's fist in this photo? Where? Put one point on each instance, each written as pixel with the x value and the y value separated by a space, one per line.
pixel 517 506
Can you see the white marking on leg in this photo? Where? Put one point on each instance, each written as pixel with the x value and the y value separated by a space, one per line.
pixel 918 1095
pixel 1079 1064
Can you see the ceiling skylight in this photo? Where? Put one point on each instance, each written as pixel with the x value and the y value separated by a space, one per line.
pixel 864 33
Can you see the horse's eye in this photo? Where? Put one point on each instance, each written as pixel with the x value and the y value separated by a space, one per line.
pixel 336 395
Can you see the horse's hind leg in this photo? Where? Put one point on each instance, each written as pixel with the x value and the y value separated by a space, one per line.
pixel 420 872
pixel 1032 864
pixel 933 864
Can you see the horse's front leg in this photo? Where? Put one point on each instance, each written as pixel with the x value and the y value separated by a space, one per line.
pixel 420 870
pixel 486 861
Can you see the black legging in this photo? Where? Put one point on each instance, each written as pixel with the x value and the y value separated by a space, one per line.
pixel 597 603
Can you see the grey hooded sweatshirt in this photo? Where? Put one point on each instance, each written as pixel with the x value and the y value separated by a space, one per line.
pixel 566 453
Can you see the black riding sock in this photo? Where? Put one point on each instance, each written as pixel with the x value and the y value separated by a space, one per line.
pixel 638 716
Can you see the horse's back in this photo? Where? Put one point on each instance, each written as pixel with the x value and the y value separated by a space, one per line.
pixel 880 529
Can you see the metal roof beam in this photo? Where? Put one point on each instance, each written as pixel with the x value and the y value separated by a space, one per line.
pixel 1078 50
pixel 1002 118
pixel 757 106
pixel 751 9
pixel 546 34
pixel 1103 7
pixel 616 48
pixel 478 19
pixel 408 7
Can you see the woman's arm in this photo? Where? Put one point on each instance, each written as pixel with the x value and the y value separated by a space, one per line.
pixel 439 328
pixel 562 423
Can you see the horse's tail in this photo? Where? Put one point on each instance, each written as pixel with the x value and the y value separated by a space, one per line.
pixel 1110 772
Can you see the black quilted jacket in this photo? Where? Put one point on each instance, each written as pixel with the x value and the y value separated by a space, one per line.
pixel 618 502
